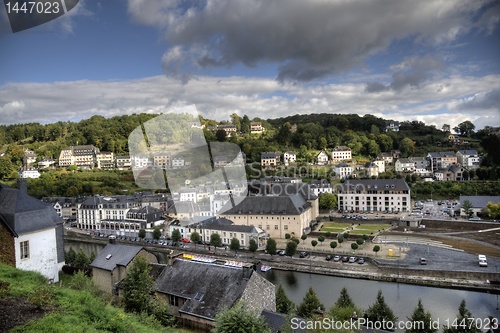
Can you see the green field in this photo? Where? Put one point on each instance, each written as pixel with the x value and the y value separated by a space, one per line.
pixel 334 227
pixel 363 229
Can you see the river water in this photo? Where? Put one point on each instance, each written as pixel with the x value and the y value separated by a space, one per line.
pixel 402 298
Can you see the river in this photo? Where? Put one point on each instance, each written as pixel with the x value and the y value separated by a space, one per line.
pixel 402 298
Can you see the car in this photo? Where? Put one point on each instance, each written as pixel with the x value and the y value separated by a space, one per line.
pixel 303 254
pixel 361 261
pixel 423 261
pixel 280 252
pixel 329 257
pixel 352 259
pixel 185 240
pixel 345 259
pixel 336 258
pixel 475 219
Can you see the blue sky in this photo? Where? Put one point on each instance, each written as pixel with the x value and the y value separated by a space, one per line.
pixel 433 61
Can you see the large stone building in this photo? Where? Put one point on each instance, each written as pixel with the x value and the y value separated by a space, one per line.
pixel 341 153
pixel 31 233
pixel 374 195
pixel 81 156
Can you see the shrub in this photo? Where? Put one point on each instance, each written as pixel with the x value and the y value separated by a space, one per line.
pixel 42 296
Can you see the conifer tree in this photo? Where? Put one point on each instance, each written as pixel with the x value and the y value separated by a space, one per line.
pixel 309 305
pixel 422 321
pixel 464 322
pixel 283 303
pixel 381 312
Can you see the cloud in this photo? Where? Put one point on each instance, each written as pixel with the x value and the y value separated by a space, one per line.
pixel 307 39
pixel 444 100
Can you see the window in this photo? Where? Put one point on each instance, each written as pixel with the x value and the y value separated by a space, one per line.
pixel 286 226
pixel 268 227
pixel 174 300
pixel 275 227
pixel 25 249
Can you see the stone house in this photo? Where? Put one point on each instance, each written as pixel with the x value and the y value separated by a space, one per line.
pixel 112 264
pixel 198 291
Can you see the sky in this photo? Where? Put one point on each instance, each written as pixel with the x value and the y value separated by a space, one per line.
pixel 435 61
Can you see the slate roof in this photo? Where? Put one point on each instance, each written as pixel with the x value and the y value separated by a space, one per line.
pixel 441 154
pixel 467 152
pixel 276 320
pixel 223 224
pixel 479 201
pixel 121 255
pixel 288 205
pixel 23 213
pixel 208 288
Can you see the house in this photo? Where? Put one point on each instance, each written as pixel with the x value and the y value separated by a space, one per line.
pixel 146 217
pixel 269 160
pixel 229 129
pixel 404 165
pixel 321 186
pixel 112 264
pixel 479 203
pixel 65 207
pixel 141 161
pixel 161 160
pixel 343 170
pixel 31 233
pixel 374 195
pixel 220 161
pixel 123 162
pixel 469 159
pixel 392 125
pixel 197 291
pixel 276 322
pixel 256 127
pixel 289 157
pixel 46 163
pixel 371 170
pixel 386 157
pixel 440 160
pixel 341 153
pixel 380 163
pixel 178 162
pixel 321 158
pixel 31 173
pixel 451 172
pixel 29 158
pixel 421 165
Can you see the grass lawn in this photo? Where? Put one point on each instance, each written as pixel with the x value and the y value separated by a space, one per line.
pixel 337 225
pixel 373 227
pixel 333 230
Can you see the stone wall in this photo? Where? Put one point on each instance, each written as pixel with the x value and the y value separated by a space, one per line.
pixel 7 248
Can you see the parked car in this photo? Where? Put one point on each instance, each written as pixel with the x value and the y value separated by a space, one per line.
pixel 345 259
pixel 280 252
pixel 336 258
pixel 185 240
pixel 303 254
pixel 352 259
pixel 423 261
pixel 361 261
pixel 329 257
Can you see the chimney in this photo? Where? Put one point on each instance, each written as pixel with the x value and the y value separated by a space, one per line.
pixel 22 186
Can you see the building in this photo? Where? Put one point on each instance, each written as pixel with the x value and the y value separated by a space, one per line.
pixel 31 233
pixel 469 159
pixel 404 165
pixel 374 195
pixel 479 203
pixel 289 157
pixel 386 157
pixel 197 291
pixel 440 160
pixel 123 162
pixel 371 170
pixel 343 170
pixel 112 264
pixel 65 207
pixel 229 129
pixel 177 162
pixel 29 158
pixel 146 217
pixel 220 161
pixel 81 156
pixel 161 160
pixel 46 163
pixel 321 158
pixel 269 160
pixel 380 163
pixel 321 186
pixel 392 125
pixel 277 215
pixel 451 172
pixel 105 160
pixel 227 231
pixel 256 127
pixel 341 153
pixel 31 173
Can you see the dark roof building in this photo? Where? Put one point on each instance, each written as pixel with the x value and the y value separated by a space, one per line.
pixel 198 291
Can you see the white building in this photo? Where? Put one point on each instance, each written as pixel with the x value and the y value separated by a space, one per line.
pixel 374 195
pixel 289 157
pixel 469 159
pixel 31 233
pixel 343 170
pixel 29 174
pixel 341 153
pixel 322 158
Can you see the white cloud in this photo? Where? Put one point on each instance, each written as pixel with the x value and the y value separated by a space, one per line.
pixel 441 101
pixel 307 39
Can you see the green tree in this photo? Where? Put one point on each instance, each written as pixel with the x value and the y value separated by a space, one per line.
pixel 291 248
pixel 344 308
pixel 376 248
pixel 354 246
pixel 271 246
pixel 137 286
pixel 464 320
pixel 321 239
pixel 288 236
pixel 234 245
pixel 419 318
pixel 303 237
pixel 220 135
pixel 467 207
pixel 70 256
pixel 314 243
pixel 309 305
pixel 176 236
pixel 252 246
pixel 465 128
pixel 142 233
pixel 493 210
pixel 215 241
pixel 359 241
pixel 340 240
pixel 327 201
pixel 7 168
pixel 296 240
pixel 156 233
pixel 81 259
pixel 344 300
pixel 333 244
pixel 195 238
pixel 241 319
pixel 283 303
pixel 407 147
pixel 380 312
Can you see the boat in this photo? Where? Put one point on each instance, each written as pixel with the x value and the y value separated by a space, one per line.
pixel 265 268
